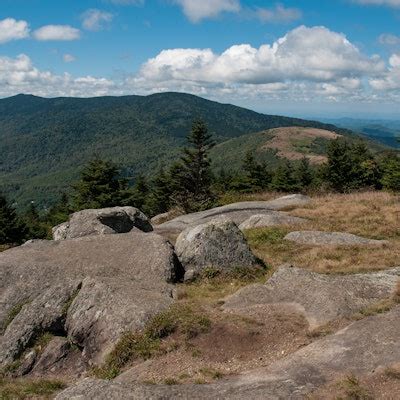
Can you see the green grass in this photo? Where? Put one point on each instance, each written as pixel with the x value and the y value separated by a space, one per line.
pixel 20 389
pixel 353 389
pixel 180 317
pixel 13 313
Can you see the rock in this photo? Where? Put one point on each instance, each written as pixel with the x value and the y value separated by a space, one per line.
pixel 321 298
pixel 167 216
pixel 236 212
pixel 317 238
pixel 271 219
pixel 103 221
pixel 91 289
pixel 218 244
pixel 357 349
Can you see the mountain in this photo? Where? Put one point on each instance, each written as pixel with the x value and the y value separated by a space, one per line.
pixel 45 142
pixel 386 132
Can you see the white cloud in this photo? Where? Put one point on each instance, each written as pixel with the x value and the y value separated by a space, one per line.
pixel 68 58
pixel 56 32
pixel 96 20
pixel 11 29
pixel 197 10
pixel 18 75
pixel 390 80
pixel 279 14
pixel 390 3
pixel 313 54
pixel 389 39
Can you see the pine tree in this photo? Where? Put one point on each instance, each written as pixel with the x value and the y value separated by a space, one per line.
pixel 36 227
pixel 12 230
pixel 303 174
pixel 192 176
pixel 139 194
pixel 283 180
pixel 59 212
pixel 391 173
pixel 159 200
pixel 100 186
pixel 257 174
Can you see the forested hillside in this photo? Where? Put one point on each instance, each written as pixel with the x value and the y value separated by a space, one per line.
pixel 45 142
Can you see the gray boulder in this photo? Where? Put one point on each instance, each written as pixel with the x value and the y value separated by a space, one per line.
pixel 89 289
pixel 103 221
pixel 236 212
pixel 219 244
pixel 357 349
pixel 321 298
pixel 317 238
pixel 273 218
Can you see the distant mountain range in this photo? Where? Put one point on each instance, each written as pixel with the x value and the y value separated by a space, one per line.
pixel 45 142
pixel 384 131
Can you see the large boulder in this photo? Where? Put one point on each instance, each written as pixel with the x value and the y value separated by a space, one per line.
pixel 236 212
pixel 91 289
pixel 103 221
pixel 321 298
pixel 357 349
pixel 274 218
pixel 218 244
pixel 317 238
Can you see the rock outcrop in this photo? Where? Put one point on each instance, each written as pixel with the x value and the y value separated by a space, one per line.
pixel 236 212
pixel 103 221
pixel 90 289
pixel 357 349
pixel 218 244
pixel 273 218
pixel 321 298
pixel 318 238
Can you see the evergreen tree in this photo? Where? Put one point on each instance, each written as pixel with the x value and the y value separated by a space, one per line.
pixel 257 175
pixel 391 173
pixel 100 186
pixel 36 227
pixel 283 179
pixel 139 194
pixel 303 174
pixel 192 176
pixel 59 212
pixel 12 230
pixel 159 200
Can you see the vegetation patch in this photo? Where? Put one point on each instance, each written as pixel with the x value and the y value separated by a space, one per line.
pixel 14 311
pixel 20 389
pixel 353 390
pixel 180 317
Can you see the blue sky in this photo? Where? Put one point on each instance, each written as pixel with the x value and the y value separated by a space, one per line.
pixel 327 57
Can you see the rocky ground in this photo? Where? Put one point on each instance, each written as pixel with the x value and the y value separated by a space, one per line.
pixel 264 298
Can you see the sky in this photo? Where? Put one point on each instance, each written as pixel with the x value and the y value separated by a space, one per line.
pixel 328 58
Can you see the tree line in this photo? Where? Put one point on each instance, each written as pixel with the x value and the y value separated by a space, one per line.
pixel 190 184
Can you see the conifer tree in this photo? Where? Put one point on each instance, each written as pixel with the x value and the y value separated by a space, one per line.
pixel 159 200
pixel 35 226
pixel 257 174
pixel 283 179
pixel 99 186
pixel 12 230
pixel 391 173
pixel 303 174
pixel 193 176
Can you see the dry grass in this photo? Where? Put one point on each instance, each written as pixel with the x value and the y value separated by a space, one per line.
pixel 375 215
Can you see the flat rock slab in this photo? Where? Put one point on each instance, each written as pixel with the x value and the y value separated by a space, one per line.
pixel 321 298
pixel 104 221
pixel 217 244
pixel 358 349
pixel 236 212
pixel 317 238
pixel 273 218
pixel 90 289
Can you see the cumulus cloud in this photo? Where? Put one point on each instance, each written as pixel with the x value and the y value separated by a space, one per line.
pixel 390 80
pixel 305 65
pixel 56 32
pixel 96 20
pixel 11 29
pixel 390 3
pixel 313 54
pixel 279 14
pixel 68 58
pixel 389 39
pixel 197 10
pixel 19 75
